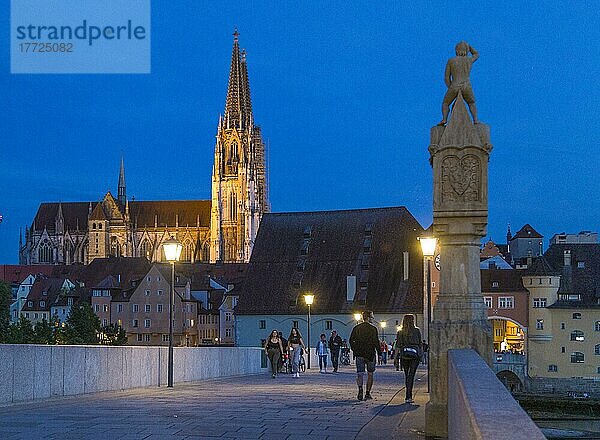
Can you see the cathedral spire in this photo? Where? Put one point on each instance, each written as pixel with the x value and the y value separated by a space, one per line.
pixel 238 109
pixel 122 194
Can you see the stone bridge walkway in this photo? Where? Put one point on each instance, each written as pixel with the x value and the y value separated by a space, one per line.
pixel 314 406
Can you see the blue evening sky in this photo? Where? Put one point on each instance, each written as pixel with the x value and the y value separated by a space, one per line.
pixel 345 92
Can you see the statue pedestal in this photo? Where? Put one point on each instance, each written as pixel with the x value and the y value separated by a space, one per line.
pixel 459 157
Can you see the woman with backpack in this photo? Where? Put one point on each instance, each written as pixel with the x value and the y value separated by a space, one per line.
pixel 409 349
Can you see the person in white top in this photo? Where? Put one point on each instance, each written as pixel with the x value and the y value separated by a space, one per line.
pixel 322 351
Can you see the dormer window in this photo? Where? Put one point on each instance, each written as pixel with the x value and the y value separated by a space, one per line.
pixel 577 315
pixel 495 284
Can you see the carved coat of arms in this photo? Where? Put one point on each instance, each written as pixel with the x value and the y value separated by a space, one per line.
pixel 461 179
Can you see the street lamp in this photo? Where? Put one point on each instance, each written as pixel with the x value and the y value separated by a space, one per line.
pixel 172 249
pixel 308 299
pixel 428 245
pixel 383 324
pixel 357 316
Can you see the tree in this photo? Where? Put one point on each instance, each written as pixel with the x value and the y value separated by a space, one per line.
pixel 21 332
pixel 114 334
pixel 43 332
pixel 5 302
pixel 82 326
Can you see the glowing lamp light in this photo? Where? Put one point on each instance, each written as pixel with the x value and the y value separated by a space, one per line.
pixel 172 249
pixel 398 328
pixel 309 299
pixel 383 324
pixel 357 316
pixel 428 245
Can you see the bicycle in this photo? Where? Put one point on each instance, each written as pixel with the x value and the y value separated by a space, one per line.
pixel 301 364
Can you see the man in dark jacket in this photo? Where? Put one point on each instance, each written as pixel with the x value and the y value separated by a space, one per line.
pixel 364 342
pixel 335 343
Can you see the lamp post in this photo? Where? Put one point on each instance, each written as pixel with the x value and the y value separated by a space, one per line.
pixel 383 324
pixel 308 299
pixel 428 245
pixel 172 249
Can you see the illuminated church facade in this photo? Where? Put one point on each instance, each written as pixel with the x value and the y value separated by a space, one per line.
pixel 221 229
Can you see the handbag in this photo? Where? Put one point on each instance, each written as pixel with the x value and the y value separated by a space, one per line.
pixel 409 354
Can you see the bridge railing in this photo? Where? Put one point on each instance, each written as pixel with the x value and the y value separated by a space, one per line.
pixel 479 406
pixel 32 372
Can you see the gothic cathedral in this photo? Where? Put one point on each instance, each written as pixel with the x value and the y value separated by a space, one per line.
pixel 221 229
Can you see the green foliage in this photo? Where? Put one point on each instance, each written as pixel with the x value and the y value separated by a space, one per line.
pixel 82 326
pixel 114 334
pixel 20 333
pixel 5 302
pixel 44 332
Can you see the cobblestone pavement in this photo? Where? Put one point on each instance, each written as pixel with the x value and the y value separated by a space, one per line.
pixel 314 406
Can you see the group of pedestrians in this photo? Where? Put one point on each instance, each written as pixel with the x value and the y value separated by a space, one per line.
pixel 276 347
pixel 364 341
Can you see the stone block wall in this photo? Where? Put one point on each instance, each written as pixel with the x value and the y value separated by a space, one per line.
pixel 564 386
pixel 479 406
pixel 32 372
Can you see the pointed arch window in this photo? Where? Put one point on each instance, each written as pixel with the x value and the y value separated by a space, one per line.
pixel 187 251
pixel 232 206
pixel 205 252
pixel 115 248
pixel 45 252
pixel 146 250
pixel 234 150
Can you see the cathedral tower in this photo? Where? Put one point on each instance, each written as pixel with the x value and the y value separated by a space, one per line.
pixel 239 186
pixel 122 193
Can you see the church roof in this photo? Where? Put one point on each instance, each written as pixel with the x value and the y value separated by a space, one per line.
pixel 168 212
pixel 142 213
pixel 75 215
pixel 301 252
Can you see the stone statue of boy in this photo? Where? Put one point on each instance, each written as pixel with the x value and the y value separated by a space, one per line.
pixel 456 77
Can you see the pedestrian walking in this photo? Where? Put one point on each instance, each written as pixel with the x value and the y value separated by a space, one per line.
pixel 296 344
pixel 425 348
pixel 384 352
pixel 284 344
pixel 409 348
pixel 364 342
pixel 274 350
pixel 335 344
pixel 322 351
